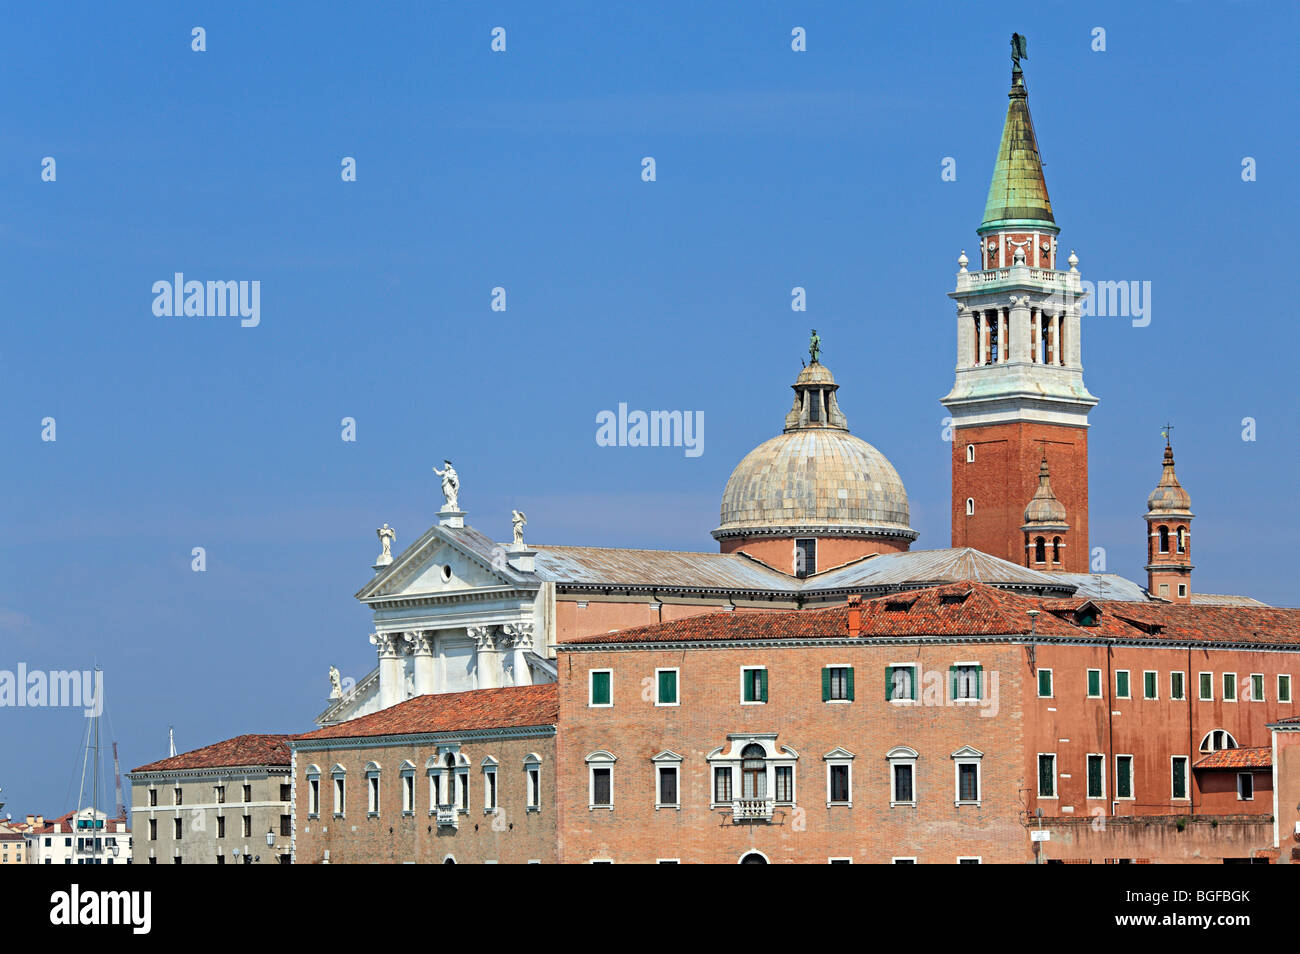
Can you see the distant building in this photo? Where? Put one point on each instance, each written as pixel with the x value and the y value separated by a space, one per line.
pixel 84 837
pixel 226 803
pixel 13 848
pixel 448 778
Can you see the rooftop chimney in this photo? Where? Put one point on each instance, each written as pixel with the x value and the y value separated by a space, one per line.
pixel 855 616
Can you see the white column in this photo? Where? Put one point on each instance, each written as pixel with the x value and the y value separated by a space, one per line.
pixel 1018 349
pixel 984 336
pixel 1074 349
pixel 422 647
pixel 1056 339
pixel 390 668
pixel 521 641
pixel 487 664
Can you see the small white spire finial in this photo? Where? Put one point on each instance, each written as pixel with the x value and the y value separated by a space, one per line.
pixel 962 260
pixel 1074 261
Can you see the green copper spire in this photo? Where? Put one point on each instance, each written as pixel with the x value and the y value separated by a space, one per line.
pixel 1018 192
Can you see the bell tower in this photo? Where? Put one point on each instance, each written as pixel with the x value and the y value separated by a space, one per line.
pixel 1169 535
pixel 1019 394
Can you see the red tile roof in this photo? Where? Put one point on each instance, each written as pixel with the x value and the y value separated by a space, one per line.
pixel 66 823
pixel 240 751
pixel 978 609
pixel 453 712
pixel 1254 757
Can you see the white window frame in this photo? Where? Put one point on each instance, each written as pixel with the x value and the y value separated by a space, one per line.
pixel 1183 696
pixel 1187 778
pixel 916 684
pixel 1235 687
pixel 970 506
pixel 1155 681
pixel 1132 777
pixel 901 755
pixel 1251 776
pixel 979 681
pixel 845 859
pixel 837 757
pixel 339 778
pixel 407 774
pixel 903 860
pixel 1051 679
pixel 1100 684
pixel 978 859
pixel 847 667
pixel 677 685
pixel 967 755
pixel 1280 682
pixel 1260 677
pixel 591 689
pixel 667 761
pixel 599 759
pixel 755 702
pixel 1128 677
pixel 1200 683
pixel 491 789
pixel 313 791
pixel 1086 757
pixel 532 783
pixel 1056 778
pixel 372 790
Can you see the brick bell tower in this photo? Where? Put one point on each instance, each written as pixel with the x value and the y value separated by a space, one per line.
pixel 1169 536
pixel 1019 394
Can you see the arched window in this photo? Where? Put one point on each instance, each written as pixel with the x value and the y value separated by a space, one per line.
pixel 753 771
pixel 970 453
pixel 1056 549
pixel 1182 539
pixel 1216 740
pixel 1163 533
pixel 1040 550
pixel 970 506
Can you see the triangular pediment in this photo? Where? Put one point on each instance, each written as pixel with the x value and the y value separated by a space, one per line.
pixel 445 561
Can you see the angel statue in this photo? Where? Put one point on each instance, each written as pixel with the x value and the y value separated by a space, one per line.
pixel 1019 51
pixel 517 521
pixel 336 683
pixel 450 485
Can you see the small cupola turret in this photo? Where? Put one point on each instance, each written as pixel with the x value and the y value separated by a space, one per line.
pixel 1046 526
pixel 1169 535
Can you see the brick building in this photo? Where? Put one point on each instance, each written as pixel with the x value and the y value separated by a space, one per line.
pixel 225 803
pixel 931 726
pixel 448 778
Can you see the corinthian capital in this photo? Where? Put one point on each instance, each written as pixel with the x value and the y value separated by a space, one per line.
pixel 387 643
pixel 420 643
pixel 482 636
pixel 521 634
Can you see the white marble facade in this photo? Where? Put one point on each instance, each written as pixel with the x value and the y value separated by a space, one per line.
pixel 455 611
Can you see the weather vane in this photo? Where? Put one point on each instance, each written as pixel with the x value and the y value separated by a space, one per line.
pixel 1019 51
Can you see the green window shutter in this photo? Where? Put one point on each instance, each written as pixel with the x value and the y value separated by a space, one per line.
pixel 1044 682
pixel 668 687
pixel 848 683
pixel 1150 678
pixel 1207 685
pixel 979 682
pixel 1180 778
pixel 1094 682
pixel 1124 778
pixel 889 683
pixel 747 685
pixel 600 688
pixel 1121 684
pixel 1094 777
pixel 952 679
pixel 914 677
pixel 826 683
pixel 762 685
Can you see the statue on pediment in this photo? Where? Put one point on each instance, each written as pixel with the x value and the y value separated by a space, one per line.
pixel 386 536
pixel 518 520
pixel 336 683
pixel 450 485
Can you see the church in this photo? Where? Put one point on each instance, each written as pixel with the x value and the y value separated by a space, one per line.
pixel 701 706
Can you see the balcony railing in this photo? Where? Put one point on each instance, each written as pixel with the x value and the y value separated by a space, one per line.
pixel 752 809
pixel 448 816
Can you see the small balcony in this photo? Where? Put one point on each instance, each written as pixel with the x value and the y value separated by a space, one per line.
pixel 448 816
pixel 752 810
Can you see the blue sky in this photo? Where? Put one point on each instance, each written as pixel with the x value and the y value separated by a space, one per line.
pixel 522 170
